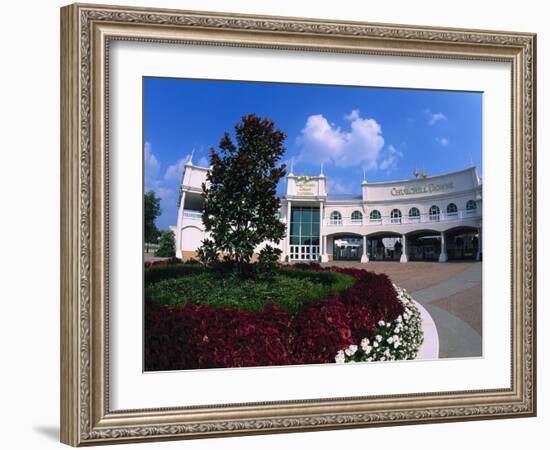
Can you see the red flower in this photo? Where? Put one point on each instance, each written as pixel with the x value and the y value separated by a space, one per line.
pixel 198 336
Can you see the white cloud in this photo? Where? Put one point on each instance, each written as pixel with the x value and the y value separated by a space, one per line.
pixel 443 141
pixel 433 118
pixel 165 187
pixel 336 186
pixel 151 166
pixel 175 170
pixel 321 141
pixel 204 162
pixel 391 158
pixel 353 115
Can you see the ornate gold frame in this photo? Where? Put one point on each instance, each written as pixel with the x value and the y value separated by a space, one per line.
pixel 86 31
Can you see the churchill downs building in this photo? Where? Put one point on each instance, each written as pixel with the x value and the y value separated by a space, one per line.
pixel 435 218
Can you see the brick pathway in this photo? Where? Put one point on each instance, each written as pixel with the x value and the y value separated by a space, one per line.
pixel 412 276
pixel 465 305
pixel 452 294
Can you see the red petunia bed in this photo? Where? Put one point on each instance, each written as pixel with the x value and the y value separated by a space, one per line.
pixel 200 337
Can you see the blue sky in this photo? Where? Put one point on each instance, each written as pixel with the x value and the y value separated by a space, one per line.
pixel 384 131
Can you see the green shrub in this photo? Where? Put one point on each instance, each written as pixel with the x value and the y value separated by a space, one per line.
pixel 268 261
pixel 154 274
pixel 167 245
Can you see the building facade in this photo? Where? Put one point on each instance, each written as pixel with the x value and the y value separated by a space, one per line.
pixel 436 218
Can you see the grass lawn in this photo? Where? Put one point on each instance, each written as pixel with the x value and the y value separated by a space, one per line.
pixel 288 289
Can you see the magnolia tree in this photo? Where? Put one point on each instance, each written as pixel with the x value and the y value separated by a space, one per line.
pixel 240 197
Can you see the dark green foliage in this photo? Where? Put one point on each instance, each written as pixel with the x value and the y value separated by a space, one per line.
pixel 268 260
pixel 151 210
pixel 288 288
pixel 208 252
pixel 154 274
pixel 241 202
pixel 167 245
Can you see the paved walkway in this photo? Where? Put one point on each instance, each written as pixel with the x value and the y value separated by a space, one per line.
pixel 412 276
pixel 455 306
pixel 450 292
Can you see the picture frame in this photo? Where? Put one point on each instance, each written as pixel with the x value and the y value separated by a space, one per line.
pixel 87 32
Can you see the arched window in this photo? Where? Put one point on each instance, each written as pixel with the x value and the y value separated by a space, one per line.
pixel 395 216
pixel 414 213
pixel 434 212
pixel 452 210
pixel 335 218
pixel 471 207
pixel 356 217
pixel 375 215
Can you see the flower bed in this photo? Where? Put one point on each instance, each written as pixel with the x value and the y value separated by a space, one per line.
pixel 191 336
pixel 396 339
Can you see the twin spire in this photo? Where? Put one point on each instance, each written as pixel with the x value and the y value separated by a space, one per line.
pixel 291 173
pixel 416 174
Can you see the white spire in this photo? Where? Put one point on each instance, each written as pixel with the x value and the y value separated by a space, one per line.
pixel 322 174
pixel 190 162
pixel 364 176
pixel 291 167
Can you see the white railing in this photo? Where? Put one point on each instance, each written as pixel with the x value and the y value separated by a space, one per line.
pixel 191 214
pixel 387 220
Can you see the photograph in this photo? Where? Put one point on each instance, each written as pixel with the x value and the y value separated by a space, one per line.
pixel 291 223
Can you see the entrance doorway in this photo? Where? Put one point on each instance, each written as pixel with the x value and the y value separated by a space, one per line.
pixel 384 248
pixel 348 248
pixel 305 234
pixel 462 244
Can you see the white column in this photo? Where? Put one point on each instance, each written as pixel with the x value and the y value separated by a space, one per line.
pixel 324 256
pixel 365 255
pixel 288 223
pixel 404 257
pixel 323 252
pixel 443 254
pixel 479 244
pixel 179 244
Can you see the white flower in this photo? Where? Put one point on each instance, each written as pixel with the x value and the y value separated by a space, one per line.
pixel 350 351
pixel 388 325
pixel 378 338
pixel 375 343
pixel 389 340
pixel 381 323
pixel 340 358
pixel 365 346
pixel 399 319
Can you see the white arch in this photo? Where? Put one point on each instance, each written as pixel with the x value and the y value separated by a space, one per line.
pixel 190 238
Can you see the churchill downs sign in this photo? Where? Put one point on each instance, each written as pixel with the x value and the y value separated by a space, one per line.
pixel 305 185
pixel 423 189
